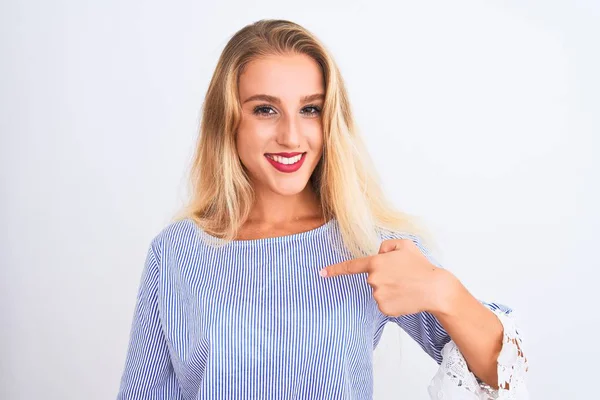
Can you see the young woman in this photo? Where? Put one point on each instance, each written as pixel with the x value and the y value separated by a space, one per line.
pixel 277 280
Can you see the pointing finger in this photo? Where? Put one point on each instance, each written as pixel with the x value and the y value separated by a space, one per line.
pixel 355 266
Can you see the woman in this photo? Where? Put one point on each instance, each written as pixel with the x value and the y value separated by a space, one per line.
pixel 277 280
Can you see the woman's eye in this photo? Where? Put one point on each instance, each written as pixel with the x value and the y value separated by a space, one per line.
pixel 264 111
pixel 311 110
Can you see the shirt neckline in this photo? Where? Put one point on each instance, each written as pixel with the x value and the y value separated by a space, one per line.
pixel 264 241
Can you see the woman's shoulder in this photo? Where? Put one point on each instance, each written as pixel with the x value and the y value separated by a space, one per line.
pixel 178 229
pixel 179 234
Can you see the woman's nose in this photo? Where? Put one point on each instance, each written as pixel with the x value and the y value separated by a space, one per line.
pixel 289 132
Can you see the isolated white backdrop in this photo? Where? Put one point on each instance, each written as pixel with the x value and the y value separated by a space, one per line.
pixel 482 117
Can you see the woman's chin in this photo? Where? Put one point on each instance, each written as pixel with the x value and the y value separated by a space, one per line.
pixel 288 187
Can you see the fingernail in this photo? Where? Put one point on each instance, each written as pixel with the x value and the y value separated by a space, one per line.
pixel 323 273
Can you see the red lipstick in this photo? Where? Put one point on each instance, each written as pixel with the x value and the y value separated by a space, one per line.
pixel 287 168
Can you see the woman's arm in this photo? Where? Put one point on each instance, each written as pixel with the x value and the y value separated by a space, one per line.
pixel 474 328
pixel 148 372
pixel 470 337
pixel 412 289
pixel 432 332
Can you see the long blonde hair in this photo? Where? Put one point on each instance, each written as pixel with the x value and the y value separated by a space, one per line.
pixel 221 195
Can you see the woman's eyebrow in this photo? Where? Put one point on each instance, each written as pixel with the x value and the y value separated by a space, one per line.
pixel 263 97
pixel 313 97
pixel 276 100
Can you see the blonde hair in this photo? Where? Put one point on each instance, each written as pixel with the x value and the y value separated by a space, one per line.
pixel 344 180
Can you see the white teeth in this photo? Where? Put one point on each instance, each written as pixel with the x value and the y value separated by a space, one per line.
pixel 285 160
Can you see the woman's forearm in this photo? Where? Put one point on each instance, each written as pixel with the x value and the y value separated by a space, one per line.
pixel 474 328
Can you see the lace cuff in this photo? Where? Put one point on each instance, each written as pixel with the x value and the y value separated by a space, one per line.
pixel 453 379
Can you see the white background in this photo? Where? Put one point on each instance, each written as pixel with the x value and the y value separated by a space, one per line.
pixel 482 117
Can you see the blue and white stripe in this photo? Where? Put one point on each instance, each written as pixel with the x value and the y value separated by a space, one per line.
pixel 254 320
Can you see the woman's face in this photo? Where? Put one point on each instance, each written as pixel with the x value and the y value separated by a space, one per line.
pixel 280 136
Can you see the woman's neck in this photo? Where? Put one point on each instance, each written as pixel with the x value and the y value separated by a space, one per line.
pixel 275 215
pixel 274 209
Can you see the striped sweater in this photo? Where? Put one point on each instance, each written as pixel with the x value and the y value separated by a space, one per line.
pixel 253 319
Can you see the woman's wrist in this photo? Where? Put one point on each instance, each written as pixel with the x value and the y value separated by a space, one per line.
pixel 445 293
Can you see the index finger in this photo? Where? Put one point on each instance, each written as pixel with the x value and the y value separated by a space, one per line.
pixel 355 266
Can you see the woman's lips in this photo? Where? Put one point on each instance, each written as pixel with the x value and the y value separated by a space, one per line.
pixel 278 161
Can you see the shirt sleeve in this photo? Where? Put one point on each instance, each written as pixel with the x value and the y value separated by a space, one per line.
pixel 148 372
pixel 453 376
pixel 454 380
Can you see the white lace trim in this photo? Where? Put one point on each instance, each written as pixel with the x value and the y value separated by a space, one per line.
pixel 453 379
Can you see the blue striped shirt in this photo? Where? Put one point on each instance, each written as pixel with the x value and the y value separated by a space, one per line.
pixel 254 320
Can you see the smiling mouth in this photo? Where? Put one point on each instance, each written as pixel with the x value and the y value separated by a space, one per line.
pixel 286 162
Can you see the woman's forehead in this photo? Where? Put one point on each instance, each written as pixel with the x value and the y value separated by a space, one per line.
pixel 288 77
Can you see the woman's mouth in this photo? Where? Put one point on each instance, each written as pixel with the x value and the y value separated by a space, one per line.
pixel 286 162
